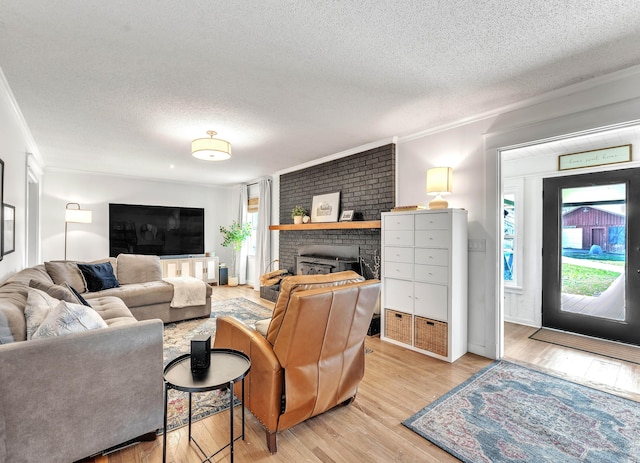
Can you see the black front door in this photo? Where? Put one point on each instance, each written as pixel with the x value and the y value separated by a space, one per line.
pixel 591 254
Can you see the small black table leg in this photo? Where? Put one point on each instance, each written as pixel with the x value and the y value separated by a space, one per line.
pixel 242 406
pixel 231 415
pixel 164 434
pixel 189 415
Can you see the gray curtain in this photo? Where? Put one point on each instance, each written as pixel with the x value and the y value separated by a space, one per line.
pixel 241 261
pixel 263 235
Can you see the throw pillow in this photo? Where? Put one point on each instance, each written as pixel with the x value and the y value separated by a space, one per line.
pixel 61 292
pixel 67 318
pixel 66 272
pixel 38 306
pixel 135 268
pixel 81 299
pixel 99 276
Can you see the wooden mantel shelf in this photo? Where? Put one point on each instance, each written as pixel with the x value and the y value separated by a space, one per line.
pixel 358 224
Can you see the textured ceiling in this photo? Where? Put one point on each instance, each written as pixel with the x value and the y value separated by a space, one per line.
pixel 124 86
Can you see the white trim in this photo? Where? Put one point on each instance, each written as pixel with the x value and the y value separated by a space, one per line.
pixel 32 147
pixel 545 97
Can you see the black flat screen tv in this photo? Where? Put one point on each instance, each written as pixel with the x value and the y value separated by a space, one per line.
pixel 155 230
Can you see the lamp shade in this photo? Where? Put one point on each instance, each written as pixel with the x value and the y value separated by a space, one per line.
pixel 439 180
pixel 73 214
pixel 211 149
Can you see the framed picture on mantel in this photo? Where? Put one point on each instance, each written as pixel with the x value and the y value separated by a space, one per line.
pixel 325 207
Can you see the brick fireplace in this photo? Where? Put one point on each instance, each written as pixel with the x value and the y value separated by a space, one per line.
pixel 366 182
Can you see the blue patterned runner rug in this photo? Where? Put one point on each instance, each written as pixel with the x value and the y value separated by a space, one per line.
pixel 509 413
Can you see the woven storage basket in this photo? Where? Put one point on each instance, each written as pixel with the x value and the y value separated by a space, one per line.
pixel 431 335
pixel 397 325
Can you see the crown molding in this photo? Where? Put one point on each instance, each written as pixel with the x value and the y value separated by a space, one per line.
pixel 341 154
pixel 6 94
pixel 529 102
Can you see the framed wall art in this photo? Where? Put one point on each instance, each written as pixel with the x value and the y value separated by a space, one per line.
pixel 9 229
pixel 325 207
pixel 594 158
pixel 346 216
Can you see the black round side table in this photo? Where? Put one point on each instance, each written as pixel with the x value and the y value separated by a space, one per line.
pixel 227 367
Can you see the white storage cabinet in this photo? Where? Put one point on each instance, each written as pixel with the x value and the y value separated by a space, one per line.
pixel 424 281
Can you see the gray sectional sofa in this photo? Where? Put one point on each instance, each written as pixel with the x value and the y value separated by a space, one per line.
pixel 141 287
pixel 70 396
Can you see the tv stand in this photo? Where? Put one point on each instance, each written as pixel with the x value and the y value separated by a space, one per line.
pixel 202 267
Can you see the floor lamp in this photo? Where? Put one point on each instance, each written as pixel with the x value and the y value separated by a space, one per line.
pixel 73 214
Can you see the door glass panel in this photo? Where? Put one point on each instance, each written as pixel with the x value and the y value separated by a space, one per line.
pixel 593 230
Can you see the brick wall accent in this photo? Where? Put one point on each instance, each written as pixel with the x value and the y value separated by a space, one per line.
pixel 366 182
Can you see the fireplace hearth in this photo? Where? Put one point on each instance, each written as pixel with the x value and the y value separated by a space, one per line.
pixel 322 259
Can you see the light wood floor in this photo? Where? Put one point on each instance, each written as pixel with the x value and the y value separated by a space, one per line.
pixel 397 383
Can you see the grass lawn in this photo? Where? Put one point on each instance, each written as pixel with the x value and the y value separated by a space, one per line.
pixel 586 281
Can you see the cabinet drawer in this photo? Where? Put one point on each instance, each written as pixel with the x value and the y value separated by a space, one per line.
pixel 398 237
pixel 398 270
pixel 431 274
pixel 398 222
pixel 428 256
pixel 433 221
pixel 431 301
pixel 433 238
pixel 397 325
pixel 393 254
pixel 398 294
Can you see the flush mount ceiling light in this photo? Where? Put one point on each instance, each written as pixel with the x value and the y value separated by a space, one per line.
pixel 211 149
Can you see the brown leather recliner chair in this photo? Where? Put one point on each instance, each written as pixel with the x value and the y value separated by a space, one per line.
pixel 312 357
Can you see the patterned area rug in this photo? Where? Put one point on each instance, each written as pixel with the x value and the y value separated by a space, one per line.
pixel 177 341
pixel 509 413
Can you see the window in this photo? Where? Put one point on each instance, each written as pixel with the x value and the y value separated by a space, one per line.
pixel 512 233
pixel 509 226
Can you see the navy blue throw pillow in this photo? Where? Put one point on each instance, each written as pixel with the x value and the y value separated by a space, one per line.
pixel 99 276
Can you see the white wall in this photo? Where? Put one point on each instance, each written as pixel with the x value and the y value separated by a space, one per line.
pixel 96 191
pixel 472 150
pixel 461 148
pixel 15 142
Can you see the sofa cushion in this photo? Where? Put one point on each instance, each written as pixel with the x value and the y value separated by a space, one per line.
pixel 99 276
pixel 13 298
pixel 61 292
pixel 135 268
pixel 67 318
pixel 293 284
pixel 39 305
pixel 113 311
pixel 66 272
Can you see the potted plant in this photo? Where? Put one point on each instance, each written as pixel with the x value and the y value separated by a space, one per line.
pixel 234 236
pixel 297 213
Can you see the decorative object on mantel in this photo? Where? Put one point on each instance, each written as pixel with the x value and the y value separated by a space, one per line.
pixel 416 207
pixel 439 182
pixel 298 213
pixel 211 149
pixel 346 216
pixel 306 219
pixel 234 236
pixel 325 207
pixel 593 158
